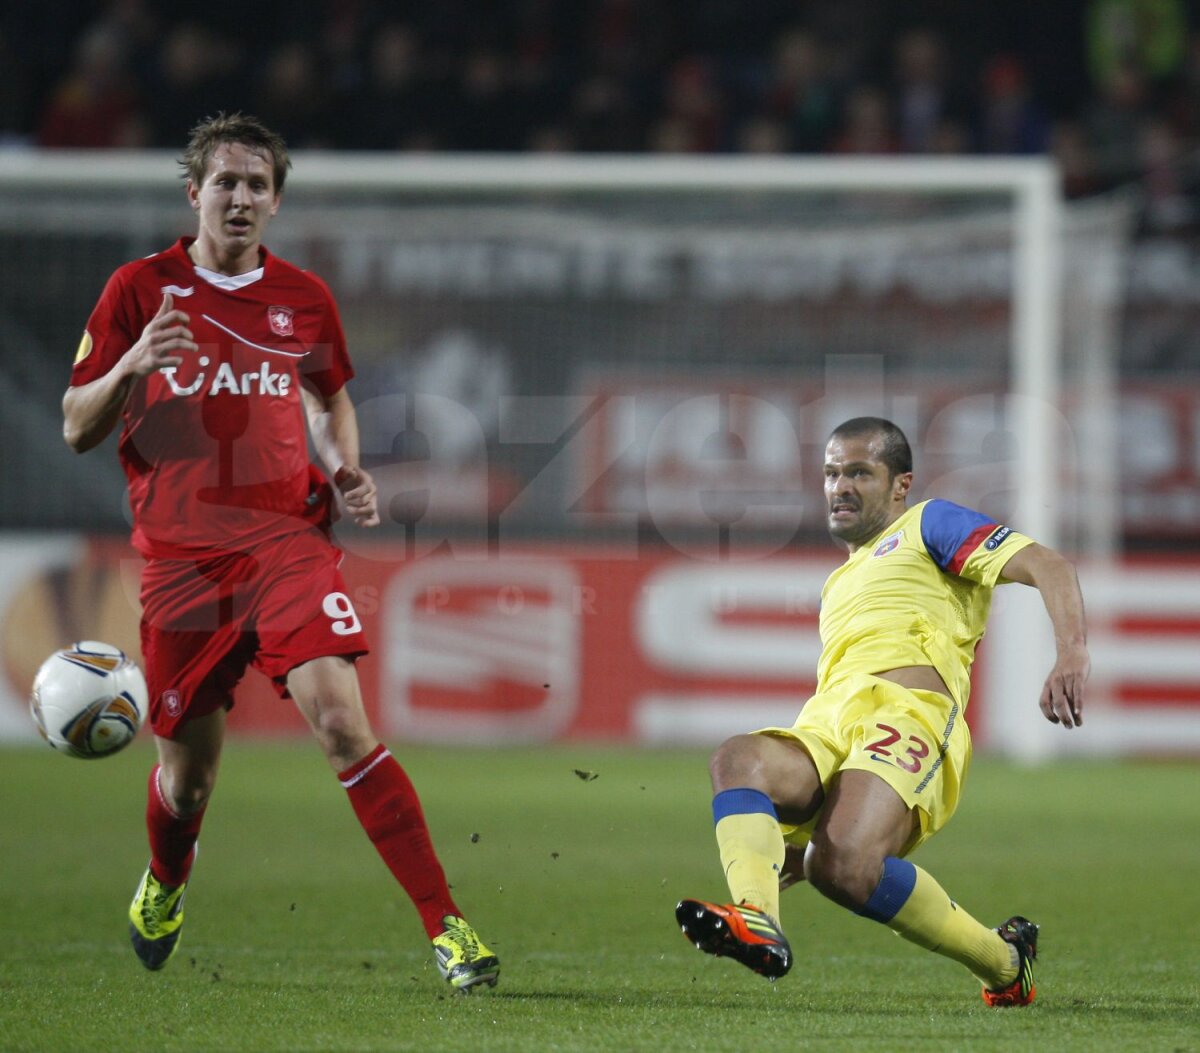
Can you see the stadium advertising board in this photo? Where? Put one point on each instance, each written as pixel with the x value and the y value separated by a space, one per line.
pixel 649 450
pixel 555 642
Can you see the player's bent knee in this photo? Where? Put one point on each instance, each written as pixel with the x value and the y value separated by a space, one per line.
pixel 737 762
pixel 187 795
pixel 843 875
pixel 779 769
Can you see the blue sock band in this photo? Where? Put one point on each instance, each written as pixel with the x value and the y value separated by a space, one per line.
pixel 892 892
pixel 741 801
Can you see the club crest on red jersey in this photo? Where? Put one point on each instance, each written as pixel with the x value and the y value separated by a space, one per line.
pixel 281 320
pixel 889 544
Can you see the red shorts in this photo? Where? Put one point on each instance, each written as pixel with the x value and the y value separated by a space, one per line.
pixel 274 608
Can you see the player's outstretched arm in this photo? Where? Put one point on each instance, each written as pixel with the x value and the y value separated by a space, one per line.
pixel 91 411
pixel 1055 578
pixel 334 427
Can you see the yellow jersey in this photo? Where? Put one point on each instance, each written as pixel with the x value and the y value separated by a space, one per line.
pixel 919 594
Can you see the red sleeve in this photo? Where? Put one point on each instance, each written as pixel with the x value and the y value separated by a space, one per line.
pixel 327 365
pixel 112 329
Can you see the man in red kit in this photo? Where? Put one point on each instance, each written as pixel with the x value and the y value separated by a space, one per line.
pixel 211 355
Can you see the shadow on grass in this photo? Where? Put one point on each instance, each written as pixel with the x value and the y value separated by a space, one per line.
pixel 732 1001
pixel 1165 1009
pixel 1159 1010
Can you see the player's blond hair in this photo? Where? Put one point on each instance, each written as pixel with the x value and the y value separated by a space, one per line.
pixel 233 128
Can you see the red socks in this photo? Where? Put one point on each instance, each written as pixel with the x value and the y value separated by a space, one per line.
pixel 387 805
pixel 172 837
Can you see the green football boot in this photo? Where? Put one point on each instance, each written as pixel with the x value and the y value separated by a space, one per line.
pixel 462 959
pixel 155 920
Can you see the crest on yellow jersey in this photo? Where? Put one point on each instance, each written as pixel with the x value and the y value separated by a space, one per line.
pixel 889 544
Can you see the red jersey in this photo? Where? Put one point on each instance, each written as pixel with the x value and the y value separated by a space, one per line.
pixel 216 449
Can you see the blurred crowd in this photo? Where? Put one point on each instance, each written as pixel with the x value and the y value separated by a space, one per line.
pixel 1111 87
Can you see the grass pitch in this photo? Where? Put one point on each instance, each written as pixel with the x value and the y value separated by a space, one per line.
pixel 296 938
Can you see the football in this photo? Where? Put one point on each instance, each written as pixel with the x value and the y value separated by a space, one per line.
pixel 89 699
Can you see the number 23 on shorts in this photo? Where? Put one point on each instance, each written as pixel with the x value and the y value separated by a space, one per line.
pixel 908 754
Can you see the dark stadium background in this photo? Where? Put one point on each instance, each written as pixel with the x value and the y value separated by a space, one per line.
pixel 1090 82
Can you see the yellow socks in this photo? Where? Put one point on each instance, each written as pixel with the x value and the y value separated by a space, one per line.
pixel 907 900
pixel 751 847
pixel 913 905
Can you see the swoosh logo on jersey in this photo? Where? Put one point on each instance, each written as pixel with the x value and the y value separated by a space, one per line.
pixel 251 343
pixel 178 290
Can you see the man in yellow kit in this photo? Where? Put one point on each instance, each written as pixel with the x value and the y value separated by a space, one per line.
pixel 875 762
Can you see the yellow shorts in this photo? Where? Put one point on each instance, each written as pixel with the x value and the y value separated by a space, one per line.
pixel 916 741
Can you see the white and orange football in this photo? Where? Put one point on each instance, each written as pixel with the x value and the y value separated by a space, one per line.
pixel 89 699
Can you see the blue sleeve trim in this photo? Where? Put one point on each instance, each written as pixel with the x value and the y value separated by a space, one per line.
pixel 892 892
pixel 742 801
pixel 946 527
